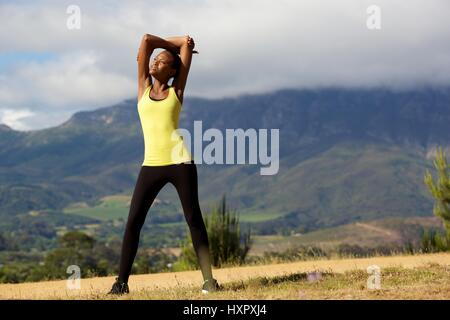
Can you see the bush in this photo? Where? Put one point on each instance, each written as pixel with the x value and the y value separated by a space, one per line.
pixel 433 241
pixel 295 254
pixel 226 242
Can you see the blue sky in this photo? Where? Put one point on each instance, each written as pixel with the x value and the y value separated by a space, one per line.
pixel 251 46
pixel 12 58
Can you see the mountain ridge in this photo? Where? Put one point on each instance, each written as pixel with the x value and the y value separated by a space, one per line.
pixel 98 153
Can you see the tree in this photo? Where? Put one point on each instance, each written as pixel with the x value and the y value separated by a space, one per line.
pixel 153 261
pixel 441 192
pixel 95 258
pixel 76 248
pixel 76 240
pixel 227 243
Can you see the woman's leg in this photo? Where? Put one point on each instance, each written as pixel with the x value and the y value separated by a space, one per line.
pixel 184 178
pixel 149 182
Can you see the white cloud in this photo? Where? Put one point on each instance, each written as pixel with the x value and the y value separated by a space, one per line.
pixel 245 47
pixel 51 89
pixel 12 118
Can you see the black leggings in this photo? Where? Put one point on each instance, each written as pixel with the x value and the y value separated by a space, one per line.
pixel 150 181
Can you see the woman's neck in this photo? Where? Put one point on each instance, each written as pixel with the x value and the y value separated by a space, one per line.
pixel 159 87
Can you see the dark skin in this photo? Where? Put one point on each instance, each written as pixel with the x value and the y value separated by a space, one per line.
pixel 161 67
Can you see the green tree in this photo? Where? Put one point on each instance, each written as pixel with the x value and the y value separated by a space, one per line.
pixel 153 261
pixel 441 192
pixel 226 242
pixel 77 240
pixel 76 248
pixel 94 258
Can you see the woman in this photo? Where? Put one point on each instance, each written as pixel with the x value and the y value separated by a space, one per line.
pixel 166 157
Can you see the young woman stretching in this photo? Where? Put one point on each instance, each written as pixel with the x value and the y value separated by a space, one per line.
pixel 166 158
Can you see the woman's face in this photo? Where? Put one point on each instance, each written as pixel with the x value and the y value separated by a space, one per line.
pixel 161 66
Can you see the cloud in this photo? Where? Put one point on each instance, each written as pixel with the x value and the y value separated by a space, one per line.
pixel 12 117
pixel 245 47
pixel 56 89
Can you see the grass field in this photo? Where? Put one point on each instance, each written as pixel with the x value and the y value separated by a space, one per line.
pixel 111 207
pixel 401 277
pixel 117 206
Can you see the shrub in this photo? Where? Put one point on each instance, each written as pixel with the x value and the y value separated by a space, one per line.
pixel 226 242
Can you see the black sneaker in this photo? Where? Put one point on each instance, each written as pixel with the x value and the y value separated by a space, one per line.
pixel 210 285
pixel 119 287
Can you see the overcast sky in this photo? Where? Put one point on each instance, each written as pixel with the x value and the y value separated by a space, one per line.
pixel 48 71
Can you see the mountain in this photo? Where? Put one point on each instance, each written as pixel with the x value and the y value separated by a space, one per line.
pixel 346 155
pixel 4 127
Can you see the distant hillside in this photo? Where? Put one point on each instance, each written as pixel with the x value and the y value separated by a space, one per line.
pixel 366 234
pixel 345 156
pixel 4 127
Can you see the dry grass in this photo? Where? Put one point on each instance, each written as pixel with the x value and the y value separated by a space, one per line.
pixel 402 277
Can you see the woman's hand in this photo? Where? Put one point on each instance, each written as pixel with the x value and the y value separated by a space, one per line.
pixel 191 44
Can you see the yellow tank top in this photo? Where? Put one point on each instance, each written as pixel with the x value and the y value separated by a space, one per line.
pixel 159 121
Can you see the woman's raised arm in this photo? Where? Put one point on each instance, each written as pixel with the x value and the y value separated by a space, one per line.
pixel 186 45
pixel 179 42
pixel 143 58
pixel 149 43
pixel 158 42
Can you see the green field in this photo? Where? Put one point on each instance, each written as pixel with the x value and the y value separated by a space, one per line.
pixel 110 208
pixel 117 206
